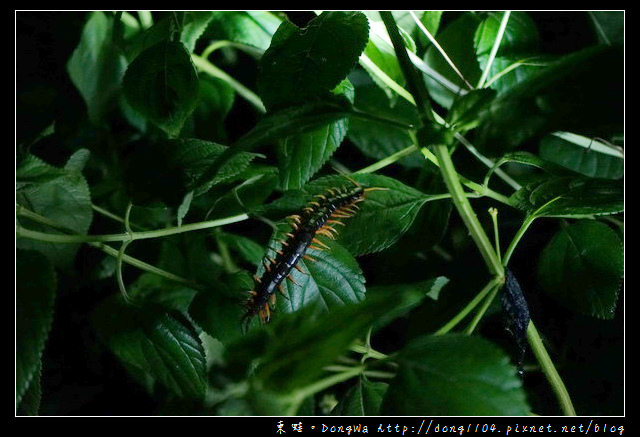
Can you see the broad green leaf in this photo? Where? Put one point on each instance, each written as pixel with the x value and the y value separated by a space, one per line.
pixel 301 156
pixel 33 170
pixel 218 309
pixel 96 67
pixel 457 41
pixel 305 64
pixel 155 342
pixel 246 248
pixel 558 97
pixel 283 123
pixel 413 295
pixel 294 348
pixel 526 159
pixel 378 140
pixel 159 32
pixel 60 195
pixel 333 279
pixel 253 28
pixel 35 295
pixel 379 51
pixel 194 25
pixel 363 399
pixel 582 267
pixel 454 375
pixel 30 402
pixel 608 26
pixel 162 84
pixel 465 111
pixel 570 197
pixel 168 170
pixel 596 161
pixel 383 216
pixel 258 184
pixel 216 98
pixel 195 156
pixel 149 287
pixel 519 41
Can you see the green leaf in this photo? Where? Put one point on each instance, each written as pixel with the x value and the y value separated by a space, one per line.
pixel 363 399
pixel 383 218
pixel 194 25
pixel 162 84
pixel 253 28
pixel 283 123
pixel 33 170
pixel 96 67
pixel 35 295
pixel 588 156
pixel 301 156
pixel 294 348
pixel 378 140
pixel 570 197
pixel 582 267
pixel 246 248
pixel 519 41
pixel 465 111
pixel 305 64
pixel 216 98
pixel 218 309
pixel 155 342
pixel 60 195
pixel 168 170
pixel 608 25
pixel 333 279
pixel 558 97
pixel 30 402
pixel 413 295
pixel 454 375
pixel 457 42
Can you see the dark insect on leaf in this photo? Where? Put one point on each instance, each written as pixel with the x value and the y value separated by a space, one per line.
pixel 516 314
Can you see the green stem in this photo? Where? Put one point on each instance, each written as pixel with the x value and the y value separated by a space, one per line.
pixel 214 71
pixel 76 238
pixel 549 370
pixel 466 212
pixel 144 266
pixel 470 306
pixel 389 160
pixel 479 189
pixel 480 314
pixel 494 49
pixel 516 239
pixel 327 382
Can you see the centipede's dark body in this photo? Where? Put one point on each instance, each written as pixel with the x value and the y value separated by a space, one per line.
pixel 314 220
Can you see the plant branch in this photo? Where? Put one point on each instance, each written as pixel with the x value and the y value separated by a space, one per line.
pixel 549 370
pixel 494 49
pixel 77 238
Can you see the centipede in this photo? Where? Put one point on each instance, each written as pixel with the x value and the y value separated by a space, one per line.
pixel 319 218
